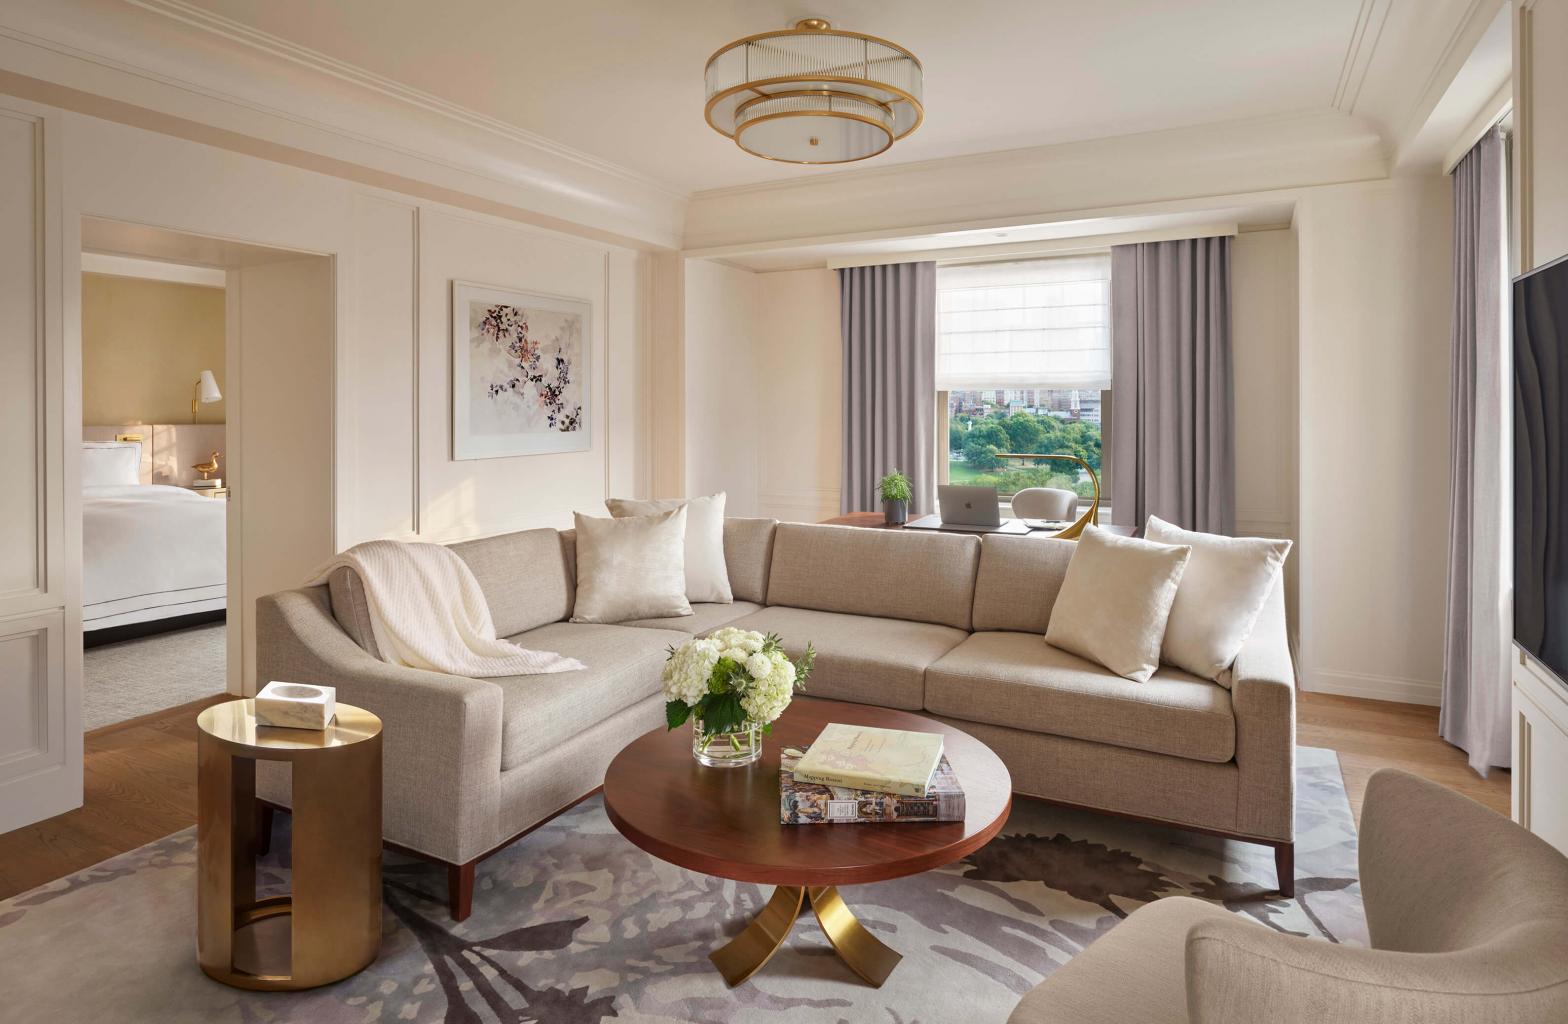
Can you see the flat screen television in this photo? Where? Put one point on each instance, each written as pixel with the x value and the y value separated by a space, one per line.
pixel 1540 358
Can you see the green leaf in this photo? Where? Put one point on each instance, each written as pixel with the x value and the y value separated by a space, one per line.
pixel 675 714
pixel 721 712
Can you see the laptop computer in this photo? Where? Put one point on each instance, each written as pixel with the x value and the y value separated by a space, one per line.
pixel 967 509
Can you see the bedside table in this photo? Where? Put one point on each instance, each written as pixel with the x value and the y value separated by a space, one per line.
pixel 221 493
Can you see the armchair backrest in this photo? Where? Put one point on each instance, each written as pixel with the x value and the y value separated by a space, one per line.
pixel 1441 873
pixel 1468 915
pixel 1045 503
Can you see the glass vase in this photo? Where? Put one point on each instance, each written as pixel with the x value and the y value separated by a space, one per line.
pixel 726 749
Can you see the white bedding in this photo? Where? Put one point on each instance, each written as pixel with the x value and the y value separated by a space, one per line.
pixel 150 552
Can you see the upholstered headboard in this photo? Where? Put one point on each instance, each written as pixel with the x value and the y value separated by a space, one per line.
pixel 169 450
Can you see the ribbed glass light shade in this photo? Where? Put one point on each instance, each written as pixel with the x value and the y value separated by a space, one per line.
pixel 813 94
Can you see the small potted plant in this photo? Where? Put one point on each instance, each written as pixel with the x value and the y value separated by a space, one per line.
pixel 895 497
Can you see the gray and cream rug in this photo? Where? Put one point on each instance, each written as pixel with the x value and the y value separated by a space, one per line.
pixel 574 925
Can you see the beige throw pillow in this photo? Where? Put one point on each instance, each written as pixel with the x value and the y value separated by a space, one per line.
pixel 707 575
pixel 1227 583
pixel 631 568
pixel 1114 601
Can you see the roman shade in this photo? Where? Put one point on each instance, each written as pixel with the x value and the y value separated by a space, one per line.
pixel 1040 323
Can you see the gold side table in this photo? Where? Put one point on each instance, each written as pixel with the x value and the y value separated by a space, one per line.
pixel 329 926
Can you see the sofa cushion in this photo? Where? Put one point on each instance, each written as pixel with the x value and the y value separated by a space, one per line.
pixel 1018 581
pixel 891 574
pixel 524 577
pixel 706 577
pixel 541 711
pixel 1115 601
pixel 861 659
pixel 704 618
pixel 631 568
pixel 748 550
pixel 1018 680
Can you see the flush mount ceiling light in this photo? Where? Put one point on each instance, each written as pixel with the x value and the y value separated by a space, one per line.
pixel 813 94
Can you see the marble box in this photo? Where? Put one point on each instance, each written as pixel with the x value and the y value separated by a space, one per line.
pixel 296 705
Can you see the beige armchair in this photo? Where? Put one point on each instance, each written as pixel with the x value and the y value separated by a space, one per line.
pixel 1045 503
pixel 1467 912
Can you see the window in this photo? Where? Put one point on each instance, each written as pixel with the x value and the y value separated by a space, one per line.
pixel 1024 368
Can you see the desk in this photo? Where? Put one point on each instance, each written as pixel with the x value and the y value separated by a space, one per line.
pixel 876 521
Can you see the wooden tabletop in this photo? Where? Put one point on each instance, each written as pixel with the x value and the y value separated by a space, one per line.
pixel 876 520
pixel 725 821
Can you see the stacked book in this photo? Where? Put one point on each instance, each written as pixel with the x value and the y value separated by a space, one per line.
pixel 854 774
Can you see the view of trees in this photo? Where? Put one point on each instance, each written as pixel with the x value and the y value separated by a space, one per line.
pixel 975 441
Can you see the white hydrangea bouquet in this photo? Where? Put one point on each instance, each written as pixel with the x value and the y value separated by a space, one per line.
pixel 733 684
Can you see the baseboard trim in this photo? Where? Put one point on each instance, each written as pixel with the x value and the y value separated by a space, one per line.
pixel 1370 687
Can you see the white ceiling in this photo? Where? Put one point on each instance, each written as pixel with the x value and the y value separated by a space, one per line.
pixel 621 80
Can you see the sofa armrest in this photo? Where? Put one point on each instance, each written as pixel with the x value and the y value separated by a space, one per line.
pixel 1263 694
pixel 440 734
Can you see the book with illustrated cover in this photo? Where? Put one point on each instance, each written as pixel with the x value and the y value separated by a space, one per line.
pixel 863 757
pixel 804 803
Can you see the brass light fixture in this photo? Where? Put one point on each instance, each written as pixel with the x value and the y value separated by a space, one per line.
pixel 814 94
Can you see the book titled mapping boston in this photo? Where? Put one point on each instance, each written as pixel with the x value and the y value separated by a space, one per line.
pixel 864 757
pixel 805 803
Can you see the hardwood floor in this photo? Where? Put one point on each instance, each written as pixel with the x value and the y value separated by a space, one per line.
pixel 139 784
pixel 140 779
pixel 1373 734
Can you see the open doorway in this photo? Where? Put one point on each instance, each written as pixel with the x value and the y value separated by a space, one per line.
pixel 154 504
pixel 174 433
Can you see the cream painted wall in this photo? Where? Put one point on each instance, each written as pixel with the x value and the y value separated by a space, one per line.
pixel 1541 108
pixel 280 476
pixel 800 358
pixel 1374 327
pixel 725 413
pixel 144 343
pixel 1263 350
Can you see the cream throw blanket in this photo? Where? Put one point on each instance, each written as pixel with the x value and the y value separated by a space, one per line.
pixel 427 611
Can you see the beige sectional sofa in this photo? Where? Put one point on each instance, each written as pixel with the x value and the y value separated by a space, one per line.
pixel 951 625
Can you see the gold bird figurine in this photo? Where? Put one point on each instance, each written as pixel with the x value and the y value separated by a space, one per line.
pixel 208 467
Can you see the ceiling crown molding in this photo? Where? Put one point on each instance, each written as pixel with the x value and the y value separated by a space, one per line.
pixel 1364 38
pixel 283 49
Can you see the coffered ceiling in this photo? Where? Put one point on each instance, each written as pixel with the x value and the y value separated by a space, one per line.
pixel 621 80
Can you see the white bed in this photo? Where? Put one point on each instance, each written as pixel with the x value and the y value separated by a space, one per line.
pixel 149 551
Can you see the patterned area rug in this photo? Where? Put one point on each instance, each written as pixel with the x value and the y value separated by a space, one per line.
pixel 574 925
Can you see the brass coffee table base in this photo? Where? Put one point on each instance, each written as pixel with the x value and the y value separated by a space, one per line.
pixel 865 954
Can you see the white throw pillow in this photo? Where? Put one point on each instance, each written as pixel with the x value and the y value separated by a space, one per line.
pixel 1226 585
pixel 1114 601
pixel 707 575
pixel 631 568
pixel 111 463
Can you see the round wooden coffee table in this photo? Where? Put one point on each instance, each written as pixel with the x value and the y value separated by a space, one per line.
pixel 725 822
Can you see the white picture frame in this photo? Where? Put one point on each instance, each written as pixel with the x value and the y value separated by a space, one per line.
pixel 511 393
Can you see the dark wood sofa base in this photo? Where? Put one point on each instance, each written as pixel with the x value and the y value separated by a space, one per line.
pixel 460 877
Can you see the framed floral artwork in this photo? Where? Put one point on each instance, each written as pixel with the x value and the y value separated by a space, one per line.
pixel 520 373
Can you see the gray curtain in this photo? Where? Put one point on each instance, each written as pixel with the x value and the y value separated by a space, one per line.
pixel 1172 450
pixel 888 315
pixel 1475 711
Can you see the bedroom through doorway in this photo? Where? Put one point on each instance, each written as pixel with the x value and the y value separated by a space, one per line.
pixel 164 340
